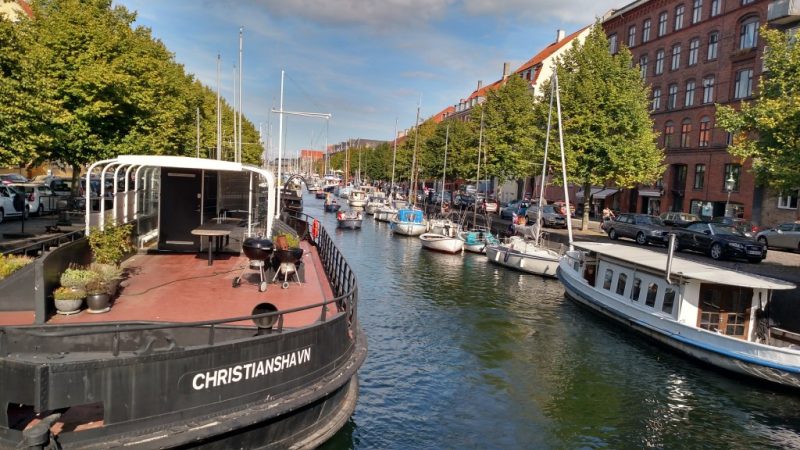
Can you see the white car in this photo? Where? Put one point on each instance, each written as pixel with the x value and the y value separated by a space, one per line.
pixel 41 199
pixel 7 208
pixel 785 235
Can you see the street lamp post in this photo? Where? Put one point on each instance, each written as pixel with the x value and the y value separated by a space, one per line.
pixel 729 187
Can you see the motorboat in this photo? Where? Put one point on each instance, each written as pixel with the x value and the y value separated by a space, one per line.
pixel 716 315
pixel 409 222
pixel 477 239
pixel 357 198
pixel 191 354
pixel 349 219
pixel 389 210
pixel 442 237
pixel 331 205
pixel 524 255
pixel 376 201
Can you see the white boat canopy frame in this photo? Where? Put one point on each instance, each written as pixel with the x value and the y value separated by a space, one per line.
pixel 139 163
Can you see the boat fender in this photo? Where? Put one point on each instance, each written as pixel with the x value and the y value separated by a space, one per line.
pixel 505 257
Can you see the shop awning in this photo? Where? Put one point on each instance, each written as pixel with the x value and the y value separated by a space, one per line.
pixel 649 192
pixel 605 193
pixel 579 194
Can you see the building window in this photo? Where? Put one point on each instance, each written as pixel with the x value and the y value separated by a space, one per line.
pixel 676 57
pixel 662 24
pixel 732 170
pixel 612 44
pixel 744 84
pixel 656 99
pixel 788 200
pixel 713 43
pixel 672 96
pixel 708 89
pixel 631 35
pixel 659 62
pixel 686 129
pixel 643 66
pixel 697 11
pixel 716 7
pixel 679 17
pixel 694 50
pixel 699 176
pixel 748 33
pixel 646 30
pixel 689 99
pixel 705 131
pixel 621 281
pixel 669 130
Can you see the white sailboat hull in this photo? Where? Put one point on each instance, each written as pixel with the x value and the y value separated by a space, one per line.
pixel 385 215
pixel 409 228
pixel 441 243
pixel 541 262
pixel 775 364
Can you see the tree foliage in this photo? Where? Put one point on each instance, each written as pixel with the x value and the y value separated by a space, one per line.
pixel 768 129
pixel 608 132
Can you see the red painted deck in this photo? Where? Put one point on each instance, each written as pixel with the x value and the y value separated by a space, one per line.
pixel 184 288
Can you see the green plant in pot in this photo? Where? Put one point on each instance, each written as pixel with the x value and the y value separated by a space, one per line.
pixel 97 297
pixel 111 244
pixel 68 300
pixel 109 274
pixel 287 248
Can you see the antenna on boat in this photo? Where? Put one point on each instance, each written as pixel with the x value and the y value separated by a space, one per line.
pixel 563 159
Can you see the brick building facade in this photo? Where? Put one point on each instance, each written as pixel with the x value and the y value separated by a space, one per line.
pixel 694 54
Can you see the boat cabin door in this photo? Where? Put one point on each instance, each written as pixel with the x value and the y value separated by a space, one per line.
pixel 725 309
pixel 179 209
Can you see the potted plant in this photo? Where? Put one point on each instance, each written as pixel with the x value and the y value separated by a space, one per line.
pixel 97 297
pixel 109 274
pixel 287 248
pixel 111 244
pixel 68 300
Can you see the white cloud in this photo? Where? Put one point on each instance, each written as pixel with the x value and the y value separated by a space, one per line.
pixel 581 12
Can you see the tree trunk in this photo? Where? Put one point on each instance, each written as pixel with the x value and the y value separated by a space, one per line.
pixel 587 204
pixel 76 180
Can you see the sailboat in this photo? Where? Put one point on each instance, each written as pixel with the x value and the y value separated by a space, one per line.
pixel 443 236
pixel 529 254
pixel 411 221
pixel 389 209
pixel 477 237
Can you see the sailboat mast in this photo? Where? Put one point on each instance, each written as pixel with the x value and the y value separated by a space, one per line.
pixel 394 158
pixel 478 174
pixel 413 187
pixel 239 131
pixel 444 171
pixel 563 160
pixel 280 145
pixel 219 115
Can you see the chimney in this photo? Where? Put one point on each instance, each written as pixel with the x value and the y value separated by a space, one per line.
pixel 480 85
pixel 506 68
pixel 560 35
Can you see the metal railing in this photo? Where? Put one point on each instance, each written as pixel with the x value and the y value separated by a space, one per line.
pixel 338 271
pixel 39 248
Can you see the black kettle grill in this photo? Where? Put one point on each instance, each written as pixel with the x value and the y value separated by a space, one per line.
pixel 258 250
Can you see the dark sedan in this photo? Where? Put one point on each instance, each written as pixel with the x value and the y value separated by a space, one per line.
pixel 643 228
pixel 518 207
pixel 718 241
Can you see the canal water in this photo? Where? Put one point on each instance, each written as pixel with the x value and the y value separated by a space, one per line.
pixel 467 354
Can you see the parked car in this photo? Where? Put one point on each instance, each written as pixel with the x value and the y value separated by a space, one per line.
pixel 58 185
pixel 463 201
pixel 518 207
pixel 487 205
pixel 550 216
pixel 718 241
pixel 40 198
pixel 7 207
pixel 562 207
pixel 9 178
pixel 746 227
pixel 785 235
pixel 678 219
pixel 643 228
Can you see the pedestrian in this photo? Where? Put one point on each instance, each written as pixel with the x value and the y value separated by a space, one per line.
pixel 608 214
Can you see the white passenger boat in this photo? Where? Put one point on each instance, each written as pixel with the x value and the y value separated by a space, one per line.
pixel 524 255
pixel 714 314
pixel 409 222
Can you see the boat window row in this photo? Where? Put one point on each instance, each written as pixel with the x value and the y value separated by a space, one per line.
pixel 646 291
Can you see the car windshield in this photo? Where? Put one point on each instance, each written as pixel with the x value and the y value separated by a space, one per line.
pixel 725 230
pixel 548 209
pixel 647 220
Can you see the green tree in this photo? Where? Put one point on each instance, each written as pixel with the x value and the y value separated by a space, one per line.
pixel 510 131
pixel 768 129
pixel 462 156
pixel 608 132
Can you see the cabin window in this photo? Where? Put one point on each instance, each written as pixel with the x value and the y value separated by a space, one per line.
pixel 725 309
pixel 577 266
pixel 621 281
pixel 669 301
pixel 652 291
pixel 607 280
pixel 637 287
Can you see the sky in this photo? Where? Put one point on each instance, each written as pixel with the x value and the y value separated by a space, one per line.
pixel 368 63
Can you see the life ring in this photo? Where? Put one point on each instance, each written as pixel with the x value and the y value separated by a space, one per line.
pixel 315 229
